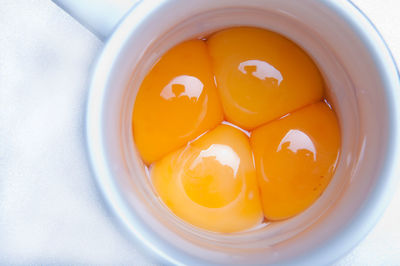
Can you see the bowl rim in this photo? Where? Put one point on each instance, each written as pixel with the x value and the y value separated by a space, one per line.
pixel 336 247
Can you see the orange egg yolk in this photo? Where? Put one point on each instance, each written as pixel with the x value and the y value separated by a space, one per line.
pixel 176 102
pixel 210 173
pixel 261 75
pixel 295 159
pixel 211 183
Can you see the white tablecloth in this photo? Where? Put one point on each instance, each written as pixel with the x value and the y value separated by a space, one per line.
pixel 50 210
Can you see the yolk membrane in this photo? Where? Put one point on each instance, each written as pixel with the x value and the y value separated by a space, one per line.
pixel 261 75
pixel 176 102
pixel 295 159
pixel 211 183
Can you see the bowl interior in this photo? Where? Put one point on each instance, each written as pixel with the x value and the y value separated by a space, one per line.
pixel 354 88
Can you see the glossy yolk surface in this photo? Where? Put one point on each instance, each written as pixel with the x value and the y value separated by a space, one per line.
pixel 295 159
pixel 176 102
pixel 261 75
pixel 211 183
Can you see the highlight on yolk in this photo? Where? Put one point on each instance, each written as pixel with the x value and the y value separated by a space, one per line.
pixel 211 183
pixel 261 75
pixel 176 102
pixel 295 159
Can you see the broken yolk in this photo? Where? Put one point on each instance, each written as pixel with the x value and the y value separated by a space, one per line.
pixel 211 183
pixel 295 159
pixel 261 75
pixel 176 102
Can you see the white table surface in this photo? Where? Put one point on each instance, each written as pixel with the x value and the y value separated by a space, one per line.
pixel 50 210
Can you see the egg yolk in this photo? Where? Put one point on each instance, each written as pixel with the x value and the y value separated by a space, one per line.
pixel 261 75
pixel 176 102
pixel 295 158
pixel 213 174
pixel 211 183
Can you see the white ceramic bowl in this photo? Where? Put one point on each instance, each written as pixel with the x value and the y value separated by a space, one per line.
pixel 363 86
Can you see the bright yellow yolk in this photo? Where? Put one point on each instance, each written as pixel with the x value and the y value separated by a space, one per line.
pixel 211 183
pixel 176 102
pixel 295 159
pixel 261 75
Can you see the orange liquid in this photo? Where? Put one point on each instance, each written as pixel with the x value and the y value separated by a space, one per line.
pixel 224 180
